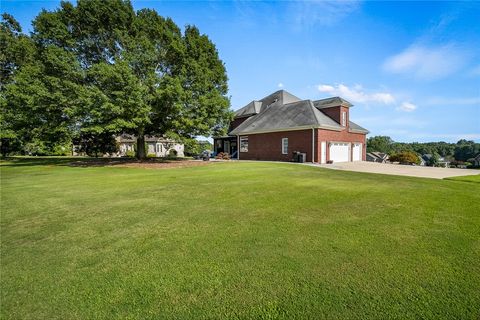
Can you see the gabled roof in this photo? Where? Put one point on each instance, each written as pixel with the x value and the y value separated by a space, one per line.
pixel 291 115
pixel 356 128
pixel 282 111
pixel 257 106
pixel 331 102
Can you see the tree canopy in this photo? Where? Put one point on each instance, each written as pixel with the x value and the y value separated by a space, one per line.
pixel 100 68
pixel 461 151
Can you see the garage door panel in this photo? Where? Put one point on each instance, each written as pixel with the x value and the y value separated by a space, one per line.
pixel 339 152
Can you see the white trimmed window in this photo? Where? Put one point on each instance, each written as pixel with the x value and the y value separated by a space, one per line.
pixel 344 118
pixel 243 144
pixel 284 145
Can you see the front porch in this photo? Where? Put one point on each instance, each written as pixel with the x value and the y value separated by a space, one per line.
pixel 226 144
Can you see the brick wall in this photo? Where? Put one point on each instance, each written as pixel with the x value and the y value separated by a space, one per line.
pixel 340 136
pixel 268 146
pixel 336 113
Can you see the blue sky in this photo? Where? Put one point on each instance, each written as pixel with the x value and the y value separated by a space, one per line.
pixel 411 69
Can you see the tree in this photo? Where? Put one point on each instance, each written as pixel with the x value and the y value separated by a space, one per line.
pixel 379 144
pixel 95 144
pixel 194 147
pixel 16 50
pixel 101 68
pixel 433 161
pixel 465 149
pixel 406 157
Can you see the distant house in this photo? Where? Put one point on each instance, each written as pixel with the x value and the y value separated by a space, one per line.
pixel 158 146
pixel 379 157
pixel 281 125
pixel 425 160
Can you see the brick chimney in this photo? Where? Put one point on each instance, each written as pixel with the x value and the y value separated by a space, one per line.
pixel 338 113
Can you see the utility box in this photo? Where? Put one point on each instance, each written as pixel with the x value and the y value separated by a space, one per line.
pixel 302 157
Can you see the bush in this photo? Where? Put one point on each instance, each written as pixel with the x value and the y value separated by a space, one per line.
pixel 405 157
pixel 151 155
pixel 130 154
pixel 172 153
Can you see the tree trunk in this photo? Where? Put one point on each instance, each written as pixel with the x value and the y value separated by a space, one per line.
pixel 141 146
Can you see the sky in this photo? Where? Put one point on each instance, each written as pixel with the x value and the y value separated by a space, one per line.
pixel 411 69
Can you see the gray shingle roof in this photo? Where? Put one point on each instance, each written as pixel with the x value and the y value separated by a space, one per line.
pixel 257 106
pixel 356 128
pixel 282 111
pixel 290 115
pixel 331 102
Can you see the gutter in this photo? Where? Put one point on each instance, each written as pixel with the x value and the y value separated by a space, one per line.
pixel 313 145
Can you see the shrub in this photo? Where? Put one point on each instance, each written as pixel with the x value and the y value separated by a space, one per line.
pixel 172 153
pixel 405 157
pixel 151 155
pixel 130 154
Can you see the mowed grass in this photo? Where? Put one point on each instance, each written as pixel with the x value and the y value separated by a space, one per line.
pixel 235 241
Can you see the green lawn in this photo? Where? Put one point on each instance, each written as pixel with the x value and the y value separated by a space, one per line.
pixel 235 240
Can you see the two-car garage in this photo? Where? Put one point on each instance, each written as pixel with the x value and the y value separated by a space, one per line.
pixel 340 151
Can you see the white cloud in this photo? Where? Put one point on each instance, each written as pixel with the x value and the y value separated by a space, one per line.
pixel 407 107
pixel 357 94
pixel 280 85
pixel 322 12
pixel 427 62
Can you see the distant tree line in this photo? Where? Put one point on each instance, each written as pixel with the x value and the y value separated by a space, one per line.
pixel 463 150
pixel 97 68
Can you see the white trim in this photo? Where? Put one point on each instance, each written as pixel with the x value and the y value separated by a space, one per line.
pixel 313 145
pixel 284 150
pixel 323 152
pixel 238 147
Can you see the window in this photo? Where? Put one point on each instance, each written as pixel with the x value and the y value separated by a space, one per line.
pixel 284 145
pixel 344 118
pixel 243 144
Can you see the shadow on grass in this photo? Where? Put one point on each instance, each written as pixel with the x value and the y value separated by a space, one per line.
pixel 82 162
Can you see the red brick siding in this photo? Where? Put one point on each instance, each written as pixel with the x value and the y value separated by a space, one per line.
pixel 268 146
pixel 339 136
pixel 336 113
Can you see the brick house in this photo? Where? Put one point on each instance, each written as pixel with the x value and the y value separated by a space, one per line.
pixel 280 124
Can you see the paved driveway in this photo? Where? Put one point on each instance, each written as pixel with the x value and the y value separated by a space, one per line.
pixel 401 170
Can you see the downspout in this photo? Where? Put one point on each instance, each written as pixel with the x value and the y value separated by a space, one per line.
pixel 238 147
pixel 313 145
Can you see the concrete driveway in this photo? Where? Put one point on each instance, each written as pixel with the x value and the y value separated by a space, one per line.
pixel 401 170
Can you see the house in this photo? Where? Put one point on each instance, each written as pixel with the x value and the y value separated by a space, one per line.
pixel 377 157
pixel 281 124
pixel 158 146
pixel 425 160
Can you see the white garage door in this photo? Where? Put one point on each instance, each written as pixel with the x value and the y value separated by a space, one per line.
pixel 339 151
pixel 357 152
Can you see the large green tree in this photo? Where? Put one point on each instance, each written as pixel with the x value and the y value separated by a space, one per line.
pixel 101 68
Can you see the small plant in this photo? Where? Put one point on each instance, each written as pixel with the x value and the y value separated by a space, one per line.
pixel 151 155
pixel 130 154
